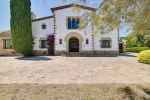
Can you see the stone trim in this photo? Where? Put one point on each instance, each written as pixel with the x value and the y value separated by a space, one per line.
pixel 60 53
pixel 40 52
pixel 89 53
pixel 99 53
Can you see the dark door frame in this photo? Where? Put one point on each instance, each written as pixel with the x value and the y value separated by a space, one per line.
pixel 51 45
pixel 74 44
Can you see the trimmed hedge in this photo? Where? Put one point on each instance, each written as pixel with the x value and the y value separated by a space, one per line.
pixel 144 57
pixel 136 49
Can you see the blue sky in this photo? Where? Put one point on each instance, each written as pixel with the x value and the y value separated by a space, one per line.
pixel 39 7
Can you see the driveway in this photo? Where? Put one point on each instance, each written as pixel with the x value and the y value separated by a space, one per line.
pixel 73 70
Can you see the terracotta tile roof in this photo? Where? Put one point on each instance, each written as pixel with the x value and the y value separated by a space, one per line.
pixel 70 5
pixel 5 34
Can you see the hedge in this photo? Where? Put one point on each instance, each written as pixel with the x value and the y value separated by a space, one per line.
pixel 144 57
pixel 136 49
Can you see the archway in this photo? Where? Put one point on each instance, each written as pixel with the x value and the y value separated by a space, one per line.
pixel 74 44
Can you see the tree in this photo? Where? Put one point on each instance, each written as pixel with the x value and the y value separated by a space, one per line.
pixel 147 40
pixel 134 40
pixel 135 13
pixel 137 40
pixel 21 27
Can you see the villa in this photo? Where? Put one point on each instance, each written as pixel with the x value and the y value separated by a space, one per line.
pixel 60 34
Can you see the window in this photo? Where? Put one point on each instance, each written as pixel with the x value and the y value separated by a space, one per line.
pixel 43 26
pixel 87 41
pixel 43 43
pixel 60 41
pixel 105 43
pixel 73 22
pixel 7 44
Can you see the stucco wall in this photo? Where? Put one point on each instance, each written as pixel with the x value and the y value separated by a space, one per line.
pixel 39 33
pixel 5 52
pixel 111 35
pixel 62 32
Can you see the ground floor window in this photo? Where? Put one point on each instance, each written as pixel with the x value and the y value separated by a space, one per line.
pixel 87 41
pixel 7 44
pixel 43 43
pixel 106 43
pixel 60 41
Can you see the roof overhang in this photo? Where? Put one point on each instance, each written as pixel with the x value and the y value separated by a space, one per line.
pixel 42 18
pixel 73 5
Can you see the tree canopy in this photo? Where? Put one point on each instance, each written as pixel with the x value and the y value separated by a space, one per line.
pixel 136 13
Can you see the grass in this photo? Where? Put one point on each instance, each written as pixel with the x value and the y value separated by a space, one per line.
pixel 74 92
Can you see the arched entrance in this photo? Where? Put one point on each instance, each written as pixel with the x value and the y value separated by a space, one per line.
pixel 74 44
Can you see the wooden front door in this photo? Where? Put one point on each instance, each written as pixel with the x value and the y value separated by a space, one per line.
pixel 74 45
pixel 51 45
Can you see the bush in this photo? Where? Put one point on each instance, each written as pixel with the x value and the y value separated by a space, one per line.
pixel 144 57
pixel 136 49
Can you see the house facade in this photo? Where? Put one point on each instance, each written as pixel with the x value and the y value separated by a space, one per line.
pixel 61 34
pixel 63 28
pixel 6 44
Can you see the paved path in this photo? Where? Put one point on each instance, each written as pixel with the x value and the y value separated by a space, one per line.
pixel 75 70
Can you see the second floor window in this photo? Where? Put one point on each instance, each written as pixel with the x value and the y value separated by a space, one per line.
pixel 73 22
pixel 43 26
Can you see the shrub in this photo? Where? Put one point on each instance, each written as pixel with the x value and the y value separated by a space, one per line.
pixel 144 57
pixel 136 49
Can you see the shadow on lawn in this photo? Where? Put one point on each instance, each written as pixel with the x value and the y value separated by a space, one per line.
pixel 35 58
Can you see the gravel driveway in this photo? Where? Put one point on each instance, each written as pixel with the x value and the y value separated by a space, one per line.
pixel 73 70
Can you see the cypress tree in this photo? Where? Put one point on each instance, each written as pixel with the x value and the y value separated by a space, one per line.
pixel 21 26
